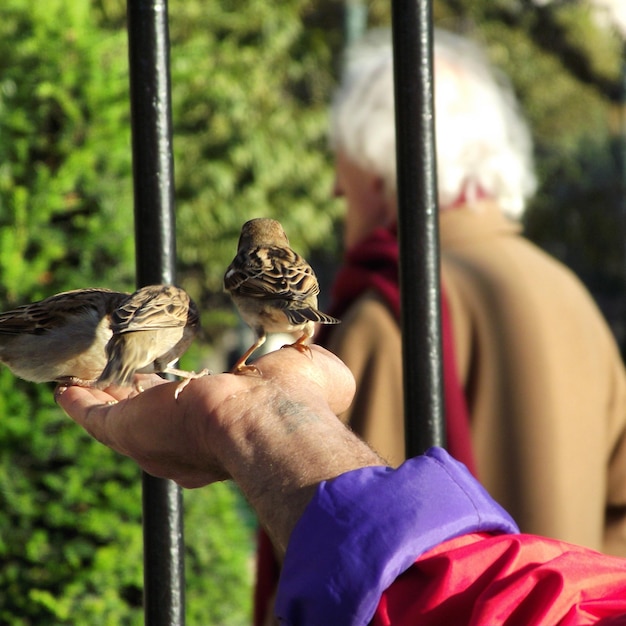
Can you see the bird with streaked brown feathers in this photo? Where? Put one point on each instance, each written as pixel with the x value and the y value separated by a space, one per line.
pixel 273 287
pixel 62 338
pixel 99 337
pixel 150 331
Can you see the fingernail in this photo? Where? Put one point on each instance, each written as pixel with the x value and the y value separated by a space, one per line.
pixel 59 391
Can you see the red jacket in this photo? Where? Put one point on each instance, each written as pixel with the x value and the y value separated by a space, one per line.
pixel 507 580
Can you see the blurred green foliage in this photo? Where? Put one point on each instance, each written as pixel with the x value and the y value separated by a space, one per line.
pixel 250 85
pixel 65 163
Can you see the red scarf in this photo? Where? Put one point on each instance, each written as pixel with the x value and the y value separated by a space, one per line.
pixel 373 265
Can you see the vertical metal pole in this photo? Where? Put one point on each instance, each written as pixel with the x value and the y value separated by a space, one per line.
pixel 153 172
pixel 418 226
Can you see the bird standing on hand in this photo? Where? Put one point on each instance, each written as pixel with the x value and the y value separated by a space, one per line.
pixel 61 338
pixel 98 337
pixel 150 331
pixel 273 287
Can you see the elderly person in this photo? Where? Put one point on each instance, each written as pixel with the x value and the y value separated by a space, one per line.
pixel 542 376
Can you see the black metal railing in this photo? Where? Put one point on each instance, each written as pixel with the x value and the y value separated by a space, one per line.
pixel 155 235
pixel 418 225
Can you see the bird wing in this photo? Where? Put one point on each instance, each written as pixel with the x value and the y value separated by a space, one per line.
pixel 154 307
pixel 271 273
pixel 44 315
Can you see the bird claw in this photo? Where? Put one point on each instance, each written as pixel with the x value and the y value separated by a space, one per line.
pixel 300 347
pixel 246 369
pixel 74 381
pixel 189 376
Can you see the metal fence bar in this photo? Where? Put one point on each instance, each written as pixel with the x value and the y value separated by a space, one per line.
pixel 153 173
pixel 418 225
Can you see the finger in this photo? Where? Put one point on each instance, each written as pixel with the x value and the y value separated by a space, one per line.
pixel 336 378
pixel 322 368
pixel 146 381
pixel 88 407
pixel 141 382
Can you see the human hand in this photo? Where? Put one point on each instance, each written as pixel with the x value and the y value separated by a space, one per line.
pixel 201 437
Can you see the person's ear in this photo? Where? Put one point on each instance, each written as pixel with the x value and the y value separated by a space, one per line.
pixel 378 190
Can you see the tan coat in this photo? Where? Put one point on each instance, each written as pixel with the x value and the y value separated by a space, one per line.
pixel 544 380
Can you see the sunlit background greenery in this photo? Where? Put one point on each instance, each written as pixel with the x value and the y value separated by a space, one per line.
pixel 250 85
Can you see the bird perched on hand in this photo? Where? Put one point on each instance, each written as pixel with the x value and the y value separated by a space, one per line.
pixel 273 287
pixel 61 338
pixel 151 329
pixel 73 338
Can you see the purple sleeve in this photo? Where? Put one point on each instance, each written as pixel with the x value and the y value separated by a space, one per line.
pixel 364 528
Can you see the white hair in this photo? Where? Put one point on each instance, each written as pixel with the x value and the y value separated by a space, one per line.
pixel 484 146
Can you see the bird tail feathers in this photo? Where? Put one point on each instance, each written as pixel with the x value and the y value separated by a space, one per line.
pixel 301 316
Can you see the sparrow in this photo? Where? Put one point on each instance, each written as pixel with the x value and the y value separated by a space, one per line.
pixel 69 338
pixel 150 330
pixel 273 287
pixel 61 338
